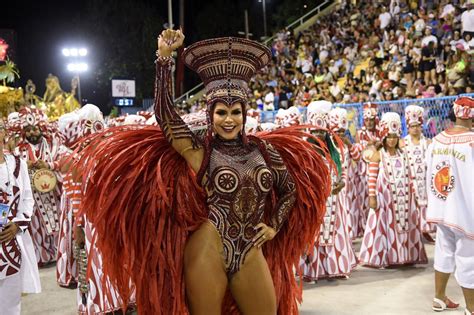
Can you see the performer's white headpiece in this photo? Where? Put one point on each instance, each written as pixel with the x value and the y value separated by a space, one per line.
pixel 464 107
pixel 390 124
pixel 338 119
pixel 317 113
pixel 414 115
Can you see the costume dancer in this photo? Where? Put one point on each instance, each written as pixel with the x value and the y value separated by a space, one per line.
pixel 332 256
pixel 224 220
pixel 73 126
pixel 415 145
pixel 450 204
pixel 338 123
pixel 18 268
pixel 42 149
pixel 392 235
pixel 367 142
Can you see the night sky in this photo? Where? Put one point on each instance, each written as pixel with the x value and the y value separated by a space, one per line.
pixel 43 28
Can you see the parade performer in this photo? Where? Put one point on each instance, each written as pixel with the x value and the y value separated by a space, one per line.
pixel 18 268
pixel 66 267
pixel 415 145
pixel 332 256
pixel 392 235
pixel 77 245
pixel 232 244
pixel 73 127
pixel 338 123
pixel 41 147
pixel 449 179
pixel 367 142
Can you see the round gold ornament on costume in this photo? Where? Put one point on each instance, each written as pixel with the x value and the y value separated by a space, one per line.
pixel 44 180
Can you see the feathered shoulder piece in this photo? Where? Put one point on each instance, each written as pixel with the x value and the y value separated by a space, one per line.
pixel 143 200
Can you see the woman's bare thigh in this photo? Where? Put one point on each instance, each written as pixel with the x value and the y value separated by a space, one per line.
pixel 204 271
pixel 252 286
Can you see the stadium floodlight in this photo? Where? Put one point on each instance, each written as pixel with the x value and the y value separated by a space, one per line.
pixel 82 52
pixel 66 52
pixel 78 67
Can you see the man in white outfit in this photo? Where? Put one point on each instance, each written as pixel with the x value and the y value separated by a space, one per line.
pixel 18 267
pixel 451 205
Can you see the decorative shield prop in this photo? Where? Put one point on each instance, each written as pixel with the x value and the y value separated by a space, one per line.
pixel 44 180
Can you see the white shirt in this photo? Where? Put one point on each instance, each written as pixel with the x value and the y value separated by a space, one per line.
pixel 448 9
pixel 335 90
pixel 385 19
pixel 467 20
pixel 427 39
pixel 449 181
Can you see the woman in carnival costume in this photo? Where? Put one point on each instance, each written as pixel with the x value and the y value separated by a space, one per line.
pixel 415 145
pixel 211 226
pixel 332 256
pixel 392 235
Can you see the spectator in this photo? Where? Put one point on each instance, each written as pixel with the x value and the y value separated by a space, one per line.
pixel 384 18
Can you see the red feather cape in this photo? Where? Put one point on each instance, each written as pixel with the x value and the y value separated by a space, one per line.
pixel 144 201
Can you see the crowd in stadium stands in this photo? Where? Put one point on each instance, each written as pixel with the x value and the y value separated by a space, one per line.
pixel 372 51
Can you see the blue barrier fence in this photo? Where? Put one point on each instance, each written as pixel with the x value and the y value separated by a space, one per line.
pixel 435 116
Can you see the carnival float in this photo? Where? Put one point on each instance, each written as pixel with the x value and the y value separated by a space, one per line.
pixel 55 101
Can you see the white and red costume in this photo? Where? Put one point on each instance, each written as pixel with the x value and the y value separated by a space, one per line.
pixel 73 126
pixel 101 296
pixel 18 268
pixel 416 157
pixel 450 197
pixel 364 137
pixel 349 158
pixel 392 235
pixel 44 227
pixel 332 255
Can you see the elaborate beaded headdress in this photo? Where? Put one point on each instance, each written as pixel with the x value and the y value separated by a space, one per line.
pixel 226 65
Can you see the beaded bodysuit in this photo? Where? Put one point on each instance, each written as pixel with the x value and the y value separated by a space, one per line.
pixel 237 179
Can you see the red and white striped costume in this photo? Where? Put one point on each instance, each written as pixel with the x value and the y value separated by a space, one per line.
pixel 73 126
pixel 333 255
pixel 66 267
pixel 392 235
pixel 364 137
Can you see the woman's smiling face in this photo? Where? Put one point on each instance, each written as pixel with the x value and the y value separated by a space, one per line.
pixel 228 121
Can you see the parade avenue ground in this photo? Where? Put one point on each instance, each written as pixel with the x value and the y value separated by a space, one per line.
pixel 406 290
